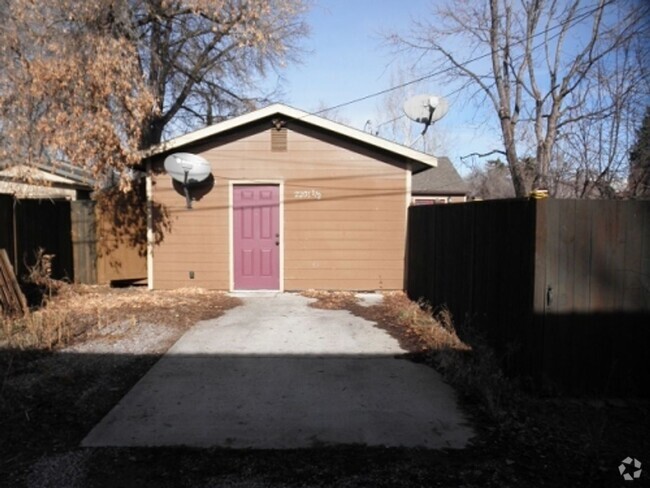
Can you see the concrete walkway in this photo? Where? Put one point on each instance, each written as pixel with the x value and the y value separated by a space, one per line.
pixel 277 374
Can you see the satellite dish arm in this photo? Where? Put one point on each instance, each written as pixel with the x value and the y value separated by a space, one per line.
pixel 186 190
pixel 432 109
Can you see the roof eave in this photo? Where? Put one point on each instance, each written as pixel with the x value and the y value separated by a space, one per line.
pixel 46 183
pixel 422 160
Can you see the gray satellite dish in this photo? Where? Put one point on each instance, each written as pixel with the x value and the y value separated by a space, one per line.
pixel 426 109
pixel 188 169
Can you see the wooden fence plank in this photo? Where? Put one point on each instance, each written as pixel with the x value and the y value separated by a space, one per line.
pixel 582 256
pixel 84 241
pixel 6 224
pixel 632 297
pixel 601 297
pixel 12 300
pixel 643 224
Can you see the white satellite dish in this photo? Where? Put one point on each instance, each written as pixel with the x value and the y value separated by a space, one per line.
pixel 188 169
pixel 426 109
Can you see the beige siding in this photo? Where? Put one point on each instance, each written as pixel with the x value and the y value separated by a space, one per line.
pixel 120 232
pixel 344 214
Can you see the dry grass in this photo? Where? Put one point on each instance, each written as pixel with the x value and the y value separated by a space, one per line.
pixel 431 331
pixel 411 323
pixel 79 310
pixel 431 337
pixel 470 364
pixel 331 300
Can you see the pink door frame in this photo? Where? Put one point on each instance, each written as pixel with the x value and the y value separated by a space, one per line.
pixel 256 236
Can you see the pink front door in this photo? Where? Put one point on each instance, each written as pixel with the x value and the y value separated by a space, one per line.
pixel 256 237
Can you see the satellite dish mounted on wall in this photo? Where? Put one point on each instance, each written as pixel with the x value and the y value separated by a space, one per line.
pixel 426 109
pixel 188 169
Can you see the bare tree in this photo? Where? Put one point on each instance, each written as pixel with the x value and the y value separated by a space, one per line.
pixel 639 179
pixel 527 60
pixel 591 153
pixel 93 82
pixel 333 114
pixel 203 59
pixel 492 181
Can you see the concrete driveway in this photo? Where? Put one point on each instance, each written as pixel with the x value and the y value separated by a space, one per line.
pixel 277 374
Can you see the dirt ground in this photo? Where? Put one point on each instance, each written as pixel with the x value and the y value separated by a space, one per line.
pixel 50 399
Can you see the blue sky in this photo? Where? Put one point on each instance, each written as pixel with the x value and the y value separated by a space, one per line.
pixel 347 58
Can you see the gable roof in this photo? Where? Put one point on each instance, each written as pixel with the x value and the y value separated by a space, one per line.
pixel 423 161
pixel 443 180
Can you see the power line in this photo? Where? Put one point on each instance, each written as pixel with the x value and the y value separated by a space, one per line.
pixel 576 20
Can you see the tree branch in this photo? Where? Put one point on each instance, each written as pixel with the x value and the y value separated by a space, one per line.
pixel 478 155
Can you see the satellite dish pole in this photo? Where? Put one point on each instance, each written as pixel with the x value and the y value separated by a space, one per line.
pixel 186 189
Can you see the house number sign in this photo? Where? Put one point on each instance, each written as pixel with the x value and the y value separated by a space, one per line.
pixel 307 194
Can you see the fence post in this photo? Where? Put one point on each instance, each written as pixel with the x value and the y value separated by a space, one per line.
pixel 84 241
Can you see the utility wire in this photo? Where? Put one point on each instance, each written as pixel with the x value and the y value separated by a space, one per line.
pixel 576 20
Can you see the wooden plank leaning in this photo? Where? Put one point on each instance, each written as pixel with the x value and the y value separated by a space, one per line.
pixel 12 299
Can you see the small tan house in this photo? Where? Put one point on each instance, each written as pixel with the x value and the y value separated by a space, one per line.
pixel 294 201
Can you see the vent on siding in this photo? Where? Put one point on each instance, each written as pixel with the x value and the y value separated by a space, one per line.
pixel 278 139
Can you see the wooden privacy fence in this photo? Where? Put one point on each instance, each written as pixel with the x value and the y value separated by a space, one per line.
pixel 27 225
pixel 560 288
pixel 84 239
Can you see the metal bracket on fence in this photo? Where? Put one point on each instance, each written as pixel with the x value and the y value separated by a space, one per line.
pixel 549 296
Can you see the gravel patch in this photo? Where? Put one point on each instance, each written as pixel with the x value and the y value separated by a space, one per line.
pixel 126 337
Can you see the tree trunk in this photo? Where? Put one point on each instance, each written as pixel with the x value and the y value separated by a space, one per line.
pixel 152 134
pixel 518 179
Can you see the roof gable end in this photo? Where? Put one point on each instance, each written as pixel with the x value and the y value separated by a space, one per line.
pixel 422 160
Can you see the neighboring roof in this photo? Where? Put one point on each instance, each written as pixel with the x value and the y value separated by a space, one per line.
pixel 50 174
pixel 443 180
pixel 426 160
pixel 75 173
pixel 27 182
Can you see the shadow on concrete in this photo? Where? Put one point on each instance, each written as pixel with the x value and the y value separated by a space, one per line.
pixel 285 402
pixel 58 401
pixel 50 402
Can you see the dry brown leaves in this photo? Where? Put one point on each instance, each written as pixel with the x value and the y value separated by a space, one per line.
pixel 179 307
pixel 80 309
pixel 412 325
